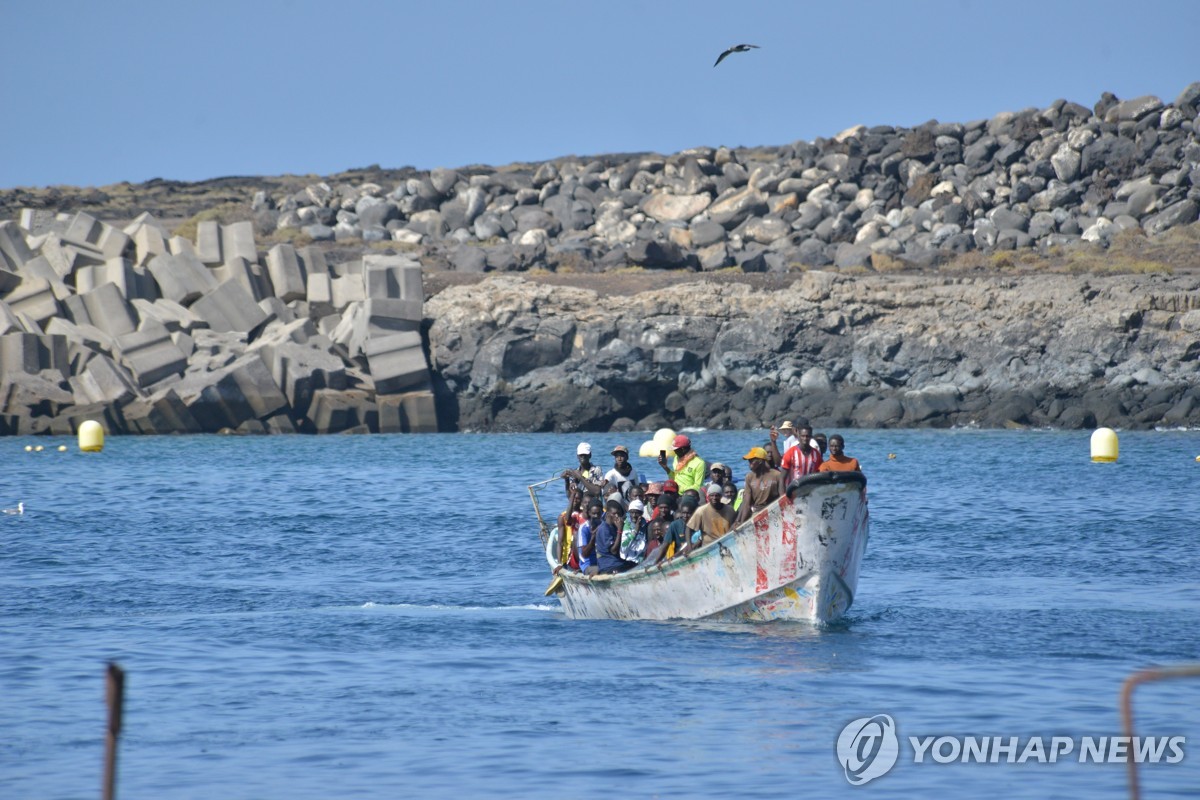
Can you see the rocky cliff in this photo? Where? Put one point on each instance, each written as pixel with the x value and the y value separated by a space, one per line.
pixel 863 351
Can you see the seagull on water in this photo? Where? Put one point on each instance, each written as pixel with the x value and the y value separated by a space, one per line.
pixel 20 509
pixel 737 48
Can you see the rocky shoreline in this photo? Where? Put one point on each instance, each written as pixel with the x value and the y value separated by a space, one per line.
pixel 1034 269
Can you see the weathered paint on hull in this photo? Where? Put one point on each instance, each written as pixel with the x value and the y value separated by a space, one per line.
pixel 795 560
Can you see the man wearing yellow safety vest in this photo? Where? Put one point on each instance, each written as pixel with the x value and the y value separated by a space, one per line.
pixel 689 468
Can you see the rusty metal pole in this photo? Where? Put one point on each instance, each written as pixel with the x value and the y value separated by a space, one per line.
pixel 1131 683
pixel 115 696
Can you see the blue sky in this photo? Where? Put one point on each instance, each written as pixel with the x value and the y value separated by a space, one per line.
pixel 101 92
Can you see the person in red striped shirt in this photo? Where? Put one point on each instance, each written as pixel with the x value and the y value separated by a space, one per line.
pixel 801 459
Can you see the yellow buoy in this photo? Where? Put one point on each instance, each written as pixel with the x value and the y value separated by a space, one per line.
pixel 91 437
pixel 1104 445
pixel 62 448
pixel 38 449
pixel 28 448
pixel 664 439
pixel 648 449
pixel 891 455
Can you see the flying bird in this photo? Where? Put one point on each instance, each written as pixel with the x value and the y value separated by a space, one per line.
pixel 737 48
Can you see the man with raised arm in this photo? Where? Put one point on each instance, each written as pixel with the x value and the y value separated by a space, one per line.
pixel 688 469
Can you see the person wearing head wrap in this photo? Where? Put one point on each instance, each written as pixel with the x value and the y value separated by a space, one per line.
pixel 634 532
pixel 688 469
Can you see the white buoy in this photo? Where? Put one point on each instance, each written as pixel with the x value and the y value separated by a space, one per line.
pixel 1104 445
pixel 91 437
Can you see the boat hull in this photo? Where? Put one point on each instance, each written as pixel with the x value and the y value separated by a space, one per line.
pixel 797 559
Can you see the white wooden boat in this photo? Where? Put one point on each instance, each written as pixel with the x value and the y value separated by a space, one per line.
pixel 797 559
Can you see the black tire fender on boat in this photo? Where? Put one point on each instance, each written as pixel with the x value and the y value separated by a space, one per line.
pixel 807 483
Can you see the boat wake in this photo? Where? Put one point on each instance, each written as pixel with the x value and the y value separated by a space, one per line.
pixel 438 607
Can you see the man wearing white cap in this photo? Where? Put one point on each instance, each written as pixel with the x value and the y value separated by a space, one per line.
pixel 588 479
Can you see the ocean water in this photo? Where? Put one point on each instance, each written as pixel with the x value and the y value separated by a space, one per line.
pixel 363 617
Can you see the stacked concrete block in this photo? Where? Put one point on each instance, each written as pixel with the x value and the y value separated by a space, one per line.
pixel 276 311
pixel 208 243
pixel 149 241
pixel 9 280
pixel 161 412
pixel 279 423
pixel 36 298
pixel 250 275
pixel 86 336
pixel 312 261
pixel 376 318
pixel 150 354
pixel 9 322
pixel 37 221
pixel 179 246
pixel 171 315
pixel 32 354
pixel 14 252
pixel 102 381
pixel 61 257
pixel 237 241
pixel 346 290
pixel 33 395
pixel 396 277
pixel 40 267
pixel 103 307
pixel 287 273
pixel 229 307
pixel 397 362
pixel 409 412
pixel 334 411
pixel 319 292
pixel 181 278
pixel 301 370
pixel 227 397
pixel 88 233
pixel 114 270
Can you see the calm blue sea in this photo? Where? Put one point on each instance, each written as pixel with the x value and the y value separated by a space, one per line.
pixel 362 617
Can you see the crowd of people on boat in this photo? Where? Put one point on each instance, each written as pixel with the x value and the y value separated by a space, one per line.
pixel 617 519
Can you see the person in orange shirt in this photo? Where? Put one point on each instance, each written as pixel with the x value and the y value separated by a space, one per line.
pixel 838 461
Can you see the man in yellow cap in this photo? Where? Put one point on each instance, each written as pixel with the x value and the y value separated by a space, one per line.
pixel 764 484
pixel 689 468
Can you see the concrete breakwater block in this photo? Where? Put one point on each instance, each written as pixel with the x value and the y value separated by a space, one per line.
pixel 227 397
pixel 104 308
pixel 408 412
pixel 287 273
pixel 396 277
pixel 36 298
pixel 150 354
pixel 156 334
pixel 161 412
pixel 397 362
pixel 334 411
pixel 229 307
pixel 182 278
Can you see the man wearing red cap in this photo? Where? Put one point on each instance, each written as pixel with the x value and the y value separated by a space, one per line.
pixel 689 468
